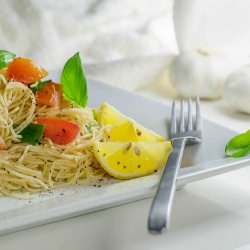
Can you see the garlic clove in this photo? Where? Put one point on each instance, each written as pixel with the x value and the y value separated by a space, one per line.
pixel 237 90
pixel 199 73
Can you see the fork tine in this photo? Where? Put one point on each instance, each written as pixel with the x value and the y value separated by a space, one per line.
pixel 173 119
pixel 182 119
pixel 190 120
pixel 198 115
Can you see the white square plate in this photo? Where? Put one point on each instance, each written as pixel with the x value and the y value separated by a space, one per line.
pixel 200 161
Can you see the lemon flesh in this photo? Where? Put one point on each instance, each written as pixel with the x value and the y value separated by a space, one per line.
pixel 127 160
pixel 131 131
pixel 108 115
pixel 124 128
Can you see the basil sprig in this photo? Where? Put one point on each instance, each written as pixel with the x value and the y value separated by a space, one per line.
pixel 32 133
pixel 74 82
pixel 239 145
pixel 39 85
pixel 6 58
pixel 94 114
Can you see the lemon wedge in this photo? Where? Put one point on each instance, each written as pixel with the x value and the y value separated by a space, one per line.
pixel 133 151
pixel 124 128
pixel 131 131
pixel 127 160
pixel 108 115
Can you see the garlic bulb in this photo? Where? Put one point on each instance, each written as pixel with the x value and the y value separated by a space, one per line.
pixel 198 73
pixel 237 90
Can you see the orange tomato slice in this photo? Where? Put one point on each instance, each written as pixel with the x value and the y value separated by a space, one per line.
pixel 49 95
pixel 2 144
pixel 59 130
pixel 25 70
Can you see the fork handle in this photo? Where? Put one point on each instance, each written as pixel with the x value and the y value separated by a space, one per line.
pixel 159 215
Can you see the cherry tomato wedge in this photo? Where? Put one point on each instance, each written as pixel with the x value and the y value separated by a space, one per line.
pixel 59 130
pixel 49 95
pixel 25 70
pixel 2 144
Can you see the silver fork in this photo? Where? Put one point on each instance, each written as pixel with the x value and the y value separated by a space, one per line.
pixel 159 216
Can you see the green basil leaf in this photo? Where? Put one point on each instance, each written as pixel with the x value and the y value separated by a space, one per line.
pixel 6 57
pixel 39 85
pixel 74 82
pixel 239 145
pixel 88 127
pixel 32 133
pixel 94 114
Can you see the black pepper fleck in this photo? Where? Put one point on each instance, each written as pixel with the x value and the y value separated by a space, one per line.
pixel 138 132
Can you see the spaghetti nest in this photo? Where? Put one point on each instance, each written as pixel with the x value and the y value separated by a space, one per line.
pixel 27 169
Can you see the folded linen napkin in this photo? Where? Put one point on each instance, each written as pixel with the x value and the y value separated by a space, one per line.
pixel 121 42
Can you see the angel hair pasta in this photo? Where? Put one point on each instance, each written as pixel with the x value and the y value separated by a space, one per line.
pixel 45 139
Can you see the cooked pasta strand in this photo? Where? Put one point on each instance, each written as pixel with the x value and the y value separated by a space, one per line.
pixel 25 169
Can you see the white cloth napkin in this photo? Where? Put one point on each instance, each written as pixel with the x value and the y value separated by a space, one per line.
pixel 125 43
